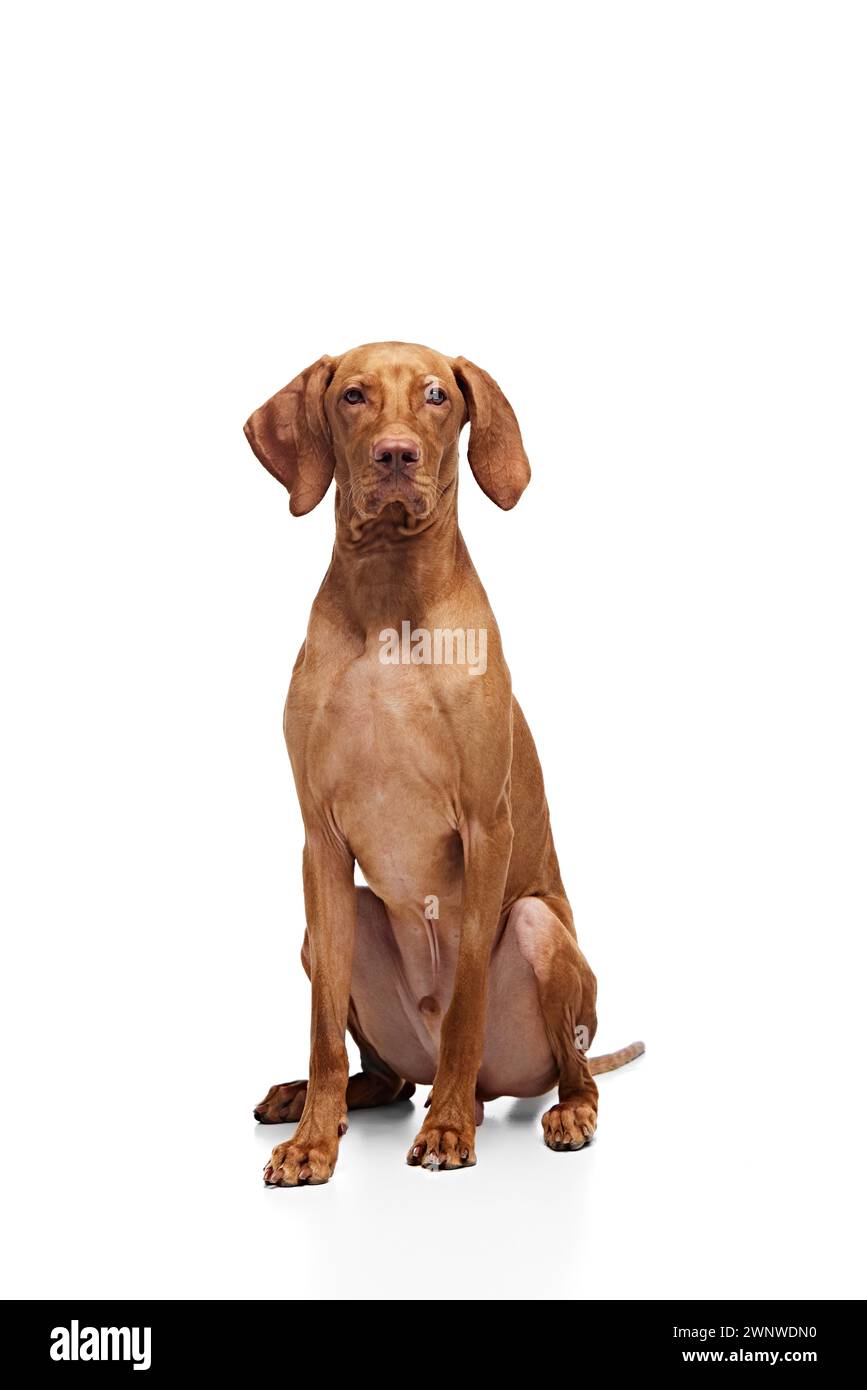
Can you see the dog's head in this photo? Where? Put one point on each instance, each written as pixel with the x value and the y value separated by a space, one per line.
pixel 384 421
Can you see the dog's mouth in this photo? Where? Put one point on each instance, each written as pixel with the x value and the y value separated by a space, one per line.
pixel 373 502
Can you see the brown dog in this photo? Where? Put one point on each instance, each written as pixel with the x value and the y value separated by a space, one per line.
pixel 412 758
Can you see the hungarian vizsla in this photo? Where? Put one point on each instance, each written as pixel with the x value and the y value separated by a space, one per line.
pixel 458 964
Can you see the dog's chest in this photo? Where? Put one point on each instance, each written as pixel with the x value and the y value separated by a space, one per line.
pixel 386 725
pixel 374 745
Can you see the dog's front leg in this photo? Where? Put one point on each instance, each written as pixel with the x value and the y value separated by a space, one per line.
pixel 330 904
pixel 447 1137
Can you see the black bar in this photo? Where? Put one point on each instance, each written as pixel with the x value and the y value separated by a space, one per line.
pixel 170 1337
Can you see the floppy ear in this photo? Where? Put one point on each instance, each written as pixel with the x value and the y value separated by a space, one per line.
pixel 290 435
pixel 497 457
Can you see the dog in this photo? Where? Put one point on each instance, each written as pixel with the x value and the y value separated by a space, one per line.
pixel 458 963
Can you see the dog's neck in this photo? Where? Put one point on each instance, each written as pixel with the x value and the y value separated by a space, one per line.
pixel 393 567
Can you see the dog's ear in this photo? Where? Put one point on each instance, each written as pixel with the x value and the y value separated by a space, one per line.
pixel 290 435
pixel 496 451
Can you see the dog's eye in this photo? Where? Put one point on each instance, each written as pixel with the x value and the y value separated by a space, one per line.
pixel 434 395
pixel 353 395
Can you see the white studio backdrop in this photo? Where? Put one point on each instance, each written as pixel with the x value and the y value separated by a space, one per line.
pixel 647 222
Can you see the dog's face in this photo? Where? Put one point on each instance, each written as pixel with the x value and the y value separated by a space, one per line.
pixel 384 421
pixel 395 413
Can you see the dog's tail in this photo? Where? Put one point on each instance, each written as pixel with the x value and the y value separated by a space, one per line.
pixel 610 1061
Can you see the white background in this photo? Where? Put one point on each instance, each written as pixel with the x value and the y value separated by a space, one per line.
pixel 648 222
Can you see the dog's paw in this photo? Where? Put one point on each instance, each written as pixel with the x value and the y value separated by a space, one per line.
pixel 439 1147
pixel 300 1163
pixel 283 1104
pixel 569 1125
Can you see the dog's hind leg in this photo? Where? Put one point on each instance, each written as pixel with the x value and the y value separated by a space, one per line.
pixel 375 1084
pixel 567 998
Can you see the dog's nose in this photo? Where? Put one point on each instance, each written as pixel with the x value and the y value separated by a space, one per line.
pixel 396 453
